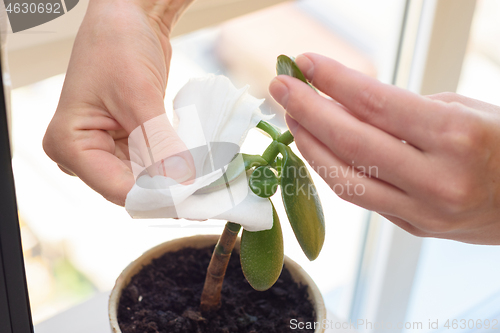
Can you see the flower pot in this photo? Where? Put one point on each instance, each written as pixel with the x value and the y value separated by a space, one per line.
pixel 201 241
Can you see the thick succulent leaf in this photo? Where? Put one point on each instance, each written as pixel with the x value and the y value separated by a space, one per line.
pixel 302 204
pixel 262 254
pixel 234 169
pixel 287 66
pixel 263 181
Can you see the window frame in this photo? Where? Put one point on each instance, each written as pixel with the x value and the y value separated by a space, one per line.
pixel 15 312
pixel 425 65
pixel 383 285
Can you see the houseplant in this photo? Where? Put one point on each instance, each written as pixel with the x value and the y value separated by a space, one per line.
pixel 261 251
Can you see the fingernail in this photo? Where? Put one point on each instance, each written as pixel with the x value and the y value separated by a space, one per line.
pixel 175 167
pixel 291 123
pixel 279 91
pixel 306 66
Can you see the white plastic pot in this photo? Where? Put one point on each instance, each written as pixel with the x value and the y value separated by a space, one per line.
pixel 200 241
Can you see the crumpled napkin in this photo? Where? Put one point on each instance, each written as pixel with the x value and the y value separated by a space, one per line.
pixel 212 118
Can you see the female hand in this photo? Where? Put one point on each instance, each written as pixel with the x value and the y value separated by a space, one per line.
pixel 429 164
pixel 115 82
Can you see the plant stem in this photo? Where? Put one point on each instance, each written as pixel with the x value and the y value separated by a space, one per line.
pixel 211 294
pixel 271 152
pixel 253 161
pixel 269 129
pixel 286 138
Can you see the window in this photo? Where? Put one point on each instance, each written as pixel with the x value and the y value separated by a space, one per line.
pixel 76 243
pixel 456 280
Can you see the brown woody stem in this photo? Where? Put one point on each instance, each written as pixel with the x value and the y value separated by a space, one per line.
pixel 211 294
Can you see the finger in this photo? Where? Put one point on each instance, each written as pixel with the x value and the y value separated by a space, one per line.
pixel 167 153
pixel 347 182
pixel 448 97
pixel 151 135
pixel 379 197
pixel 406 226
pixel 66 171
pixel 89 154
pixel 169 13
pixel 353 141
pixel 376 195
pixel 105 173
pixel 396 111
pixel 121 149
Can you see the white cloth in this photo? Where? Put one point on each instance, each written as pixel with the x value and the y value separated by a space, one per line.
pixel 213 119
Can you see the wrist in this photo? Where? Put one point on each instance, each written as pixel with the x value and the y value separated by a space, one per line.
pixel 165 13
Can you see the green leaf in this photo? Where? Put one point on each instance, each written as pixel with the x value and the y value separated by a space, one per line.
pixel 234 169
pixel 277 165
pixel 262 255
pixel 302 204
pixel 263 181
pixel 287 66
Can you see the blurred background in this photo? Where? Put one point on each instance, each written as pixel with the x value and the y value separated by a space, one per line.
pixel 76 243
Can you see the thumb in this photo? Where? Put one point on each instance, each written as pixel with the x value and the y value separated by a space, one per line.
pixel 155 146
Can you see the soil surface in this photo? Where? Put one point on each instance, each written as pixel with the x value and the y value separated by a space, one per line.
pixel 164 298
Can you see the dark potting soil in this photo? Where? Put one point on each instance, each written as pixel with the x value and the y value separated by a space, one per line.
pixel 164 298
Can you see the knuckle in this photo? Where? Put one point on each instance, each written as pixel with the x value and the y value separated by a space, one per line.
pixel 348 146
pixel 47 145
pixel 299 100
pixel 141 92
pixel 58 142
pixel 370 102
pixel 50 143
pixel 437 227
pixel 456 197
pixel 162 140
pixel 163 147
pixel 343 193
pixel 347 190
pixel 444 96
pixel 432 224
pixel 465 137
pixel 415 231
